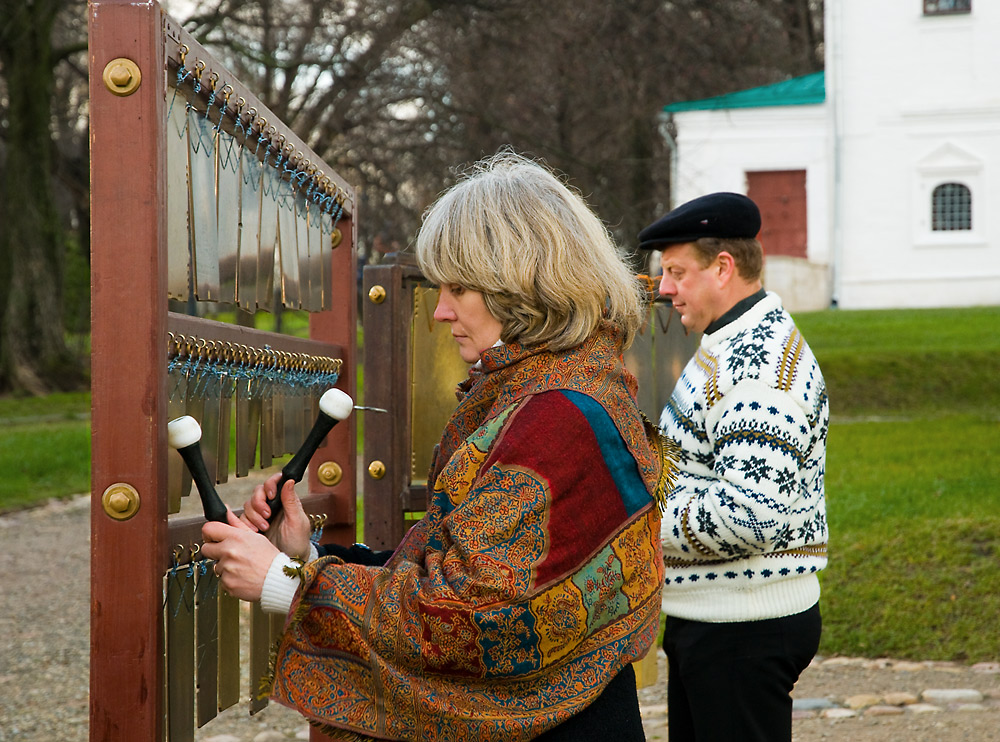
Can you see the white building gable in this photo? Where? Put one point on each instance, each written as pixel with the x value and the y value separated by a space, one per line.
pixel 887 181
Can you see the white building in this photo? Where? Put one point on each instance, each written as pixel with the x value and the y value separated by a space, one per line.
pixel 876 179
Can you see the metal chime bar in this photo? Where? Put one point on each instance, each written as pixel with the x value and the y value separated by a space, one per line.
pixel 229 650
pixel 257 206
pixel 206 612
pixel 274 392
pixel 273 382
pixel 260 646
pixel 178 611
pixel 250 221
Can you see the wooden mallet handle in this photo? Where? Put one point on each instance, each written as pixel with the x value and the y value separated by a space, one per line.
pixel 183 434
pixel 334 406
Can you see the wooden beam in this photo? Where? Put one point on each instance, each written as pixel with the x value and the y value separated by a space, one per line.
pixel 128 286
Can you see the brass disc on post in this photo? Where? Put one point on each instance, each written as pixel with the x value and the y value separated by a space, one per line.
pixel 329 473
pixel 120 501
pixel 122 76
pixel 376 469
pixel 376 294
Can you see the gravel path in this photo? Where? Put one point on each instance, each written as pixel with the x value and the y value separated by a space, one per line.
pixel 44 661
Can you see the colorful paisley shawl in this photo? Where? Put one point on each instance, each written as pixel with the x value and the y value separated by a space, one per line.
pixel 532 580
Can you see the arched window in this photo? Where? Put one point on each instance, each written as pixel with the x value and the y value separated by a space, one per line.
pixel 951 207
pixel 941 7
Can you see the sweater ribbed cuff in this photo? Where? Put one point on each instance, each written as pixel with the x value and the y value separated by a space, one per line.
pixel 279 589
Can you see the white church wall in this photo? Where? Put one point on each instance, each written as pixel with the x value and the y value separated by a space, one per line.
pixel 918 106
pixel 718 148
pixel 804 286
pixel 913 102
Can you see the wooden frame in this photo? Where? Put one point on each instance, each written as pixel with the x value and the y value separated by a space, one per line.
pixel 388 301
pixel 130 323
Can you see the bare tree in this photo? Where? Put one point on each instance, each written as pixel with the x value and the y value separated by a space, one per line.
pixel 397 94
pixel 580 83
pixel 33 354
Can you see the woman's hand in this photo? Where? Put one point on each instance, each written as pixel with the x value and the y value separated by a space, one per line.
pixel 290 530
pixel 242 556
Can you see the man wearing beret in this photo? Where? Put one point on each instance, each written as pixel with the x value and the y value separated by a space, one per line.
pixel 744 531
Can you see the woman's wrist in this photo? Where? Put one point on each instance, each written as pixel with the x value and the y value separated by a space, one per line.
pixel 280 585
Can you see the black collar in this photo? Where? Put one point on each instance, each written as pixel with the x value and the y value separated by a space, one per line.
pixel 738 309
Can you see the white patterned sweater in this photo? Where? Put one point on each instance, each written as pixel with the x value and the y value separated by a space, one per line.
pixel 744 531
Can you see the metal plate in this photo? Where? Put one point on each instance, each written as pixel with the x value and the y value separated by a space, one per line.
pixel 437 369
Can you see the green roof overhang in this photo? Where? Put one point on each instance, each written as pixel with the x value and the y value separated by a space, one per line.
pixel 799 91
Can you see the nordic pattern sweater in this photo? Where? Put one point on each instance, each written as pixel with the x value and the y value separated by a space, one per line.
pixel 744 531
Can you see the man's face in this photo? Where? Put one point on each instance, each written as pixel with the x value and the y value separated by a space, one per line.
pixel 694 290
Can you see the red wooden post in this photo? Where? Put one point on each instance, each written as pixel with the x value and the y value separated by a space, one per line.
pixel 340 327
pixel 387 353
pixel 128 289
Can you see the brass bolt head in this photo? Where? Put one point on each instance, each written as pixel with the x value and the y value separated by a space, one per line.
pixel 122 76
pixel 329 473
pixel 120 501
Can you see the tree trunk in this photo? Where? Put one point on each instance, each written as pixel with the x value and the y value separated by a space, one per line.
pixel 33 353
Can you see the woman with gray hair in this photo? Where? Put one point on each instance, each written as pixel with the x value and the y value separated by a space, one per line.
pixel 513 609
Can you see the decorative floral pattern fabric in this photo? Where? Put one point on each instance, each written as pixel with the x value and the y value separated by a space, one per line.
pixel 533 579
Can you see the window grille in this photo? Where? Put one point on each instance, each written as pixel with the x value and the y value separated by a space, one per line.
pixel 942 7
pixel 951 207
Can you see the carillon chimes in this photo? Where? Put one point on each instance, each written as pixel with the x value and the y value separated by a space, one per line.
pixel 272 395
pixel 251 223
pixel 254 211
pixel 203 199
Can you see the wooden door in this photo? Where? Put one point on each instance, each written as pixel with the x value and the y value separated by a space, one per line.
pixel 781 197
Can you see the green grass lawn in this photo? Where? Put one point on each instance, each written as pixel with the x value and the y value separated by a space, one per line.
pixel 913 481
pixel 914 514
pixel 908 362
pixel 901 330
pixel 913 477
pixel 44 448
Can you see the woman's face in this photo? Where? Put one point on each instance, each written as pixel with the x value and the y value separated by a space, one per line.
pixel 472 325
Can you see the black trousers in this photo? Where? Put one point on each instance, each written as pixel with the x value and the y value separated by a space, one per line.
pixel 731 682
pixel 612 717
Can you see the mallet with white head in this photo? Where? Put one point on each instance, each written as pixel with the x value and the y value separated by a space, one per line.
pixel 183 434
pixel 334 406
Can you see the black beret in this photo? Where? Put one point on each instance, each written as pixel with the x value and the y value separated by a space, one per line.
pixel 725 215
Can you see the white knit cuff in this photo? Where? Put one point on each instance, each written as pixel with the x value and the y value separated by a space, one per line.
pixel 279 588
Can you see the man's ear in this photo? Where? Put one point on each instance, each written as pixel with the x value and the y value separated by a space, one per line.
pixel 725 266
